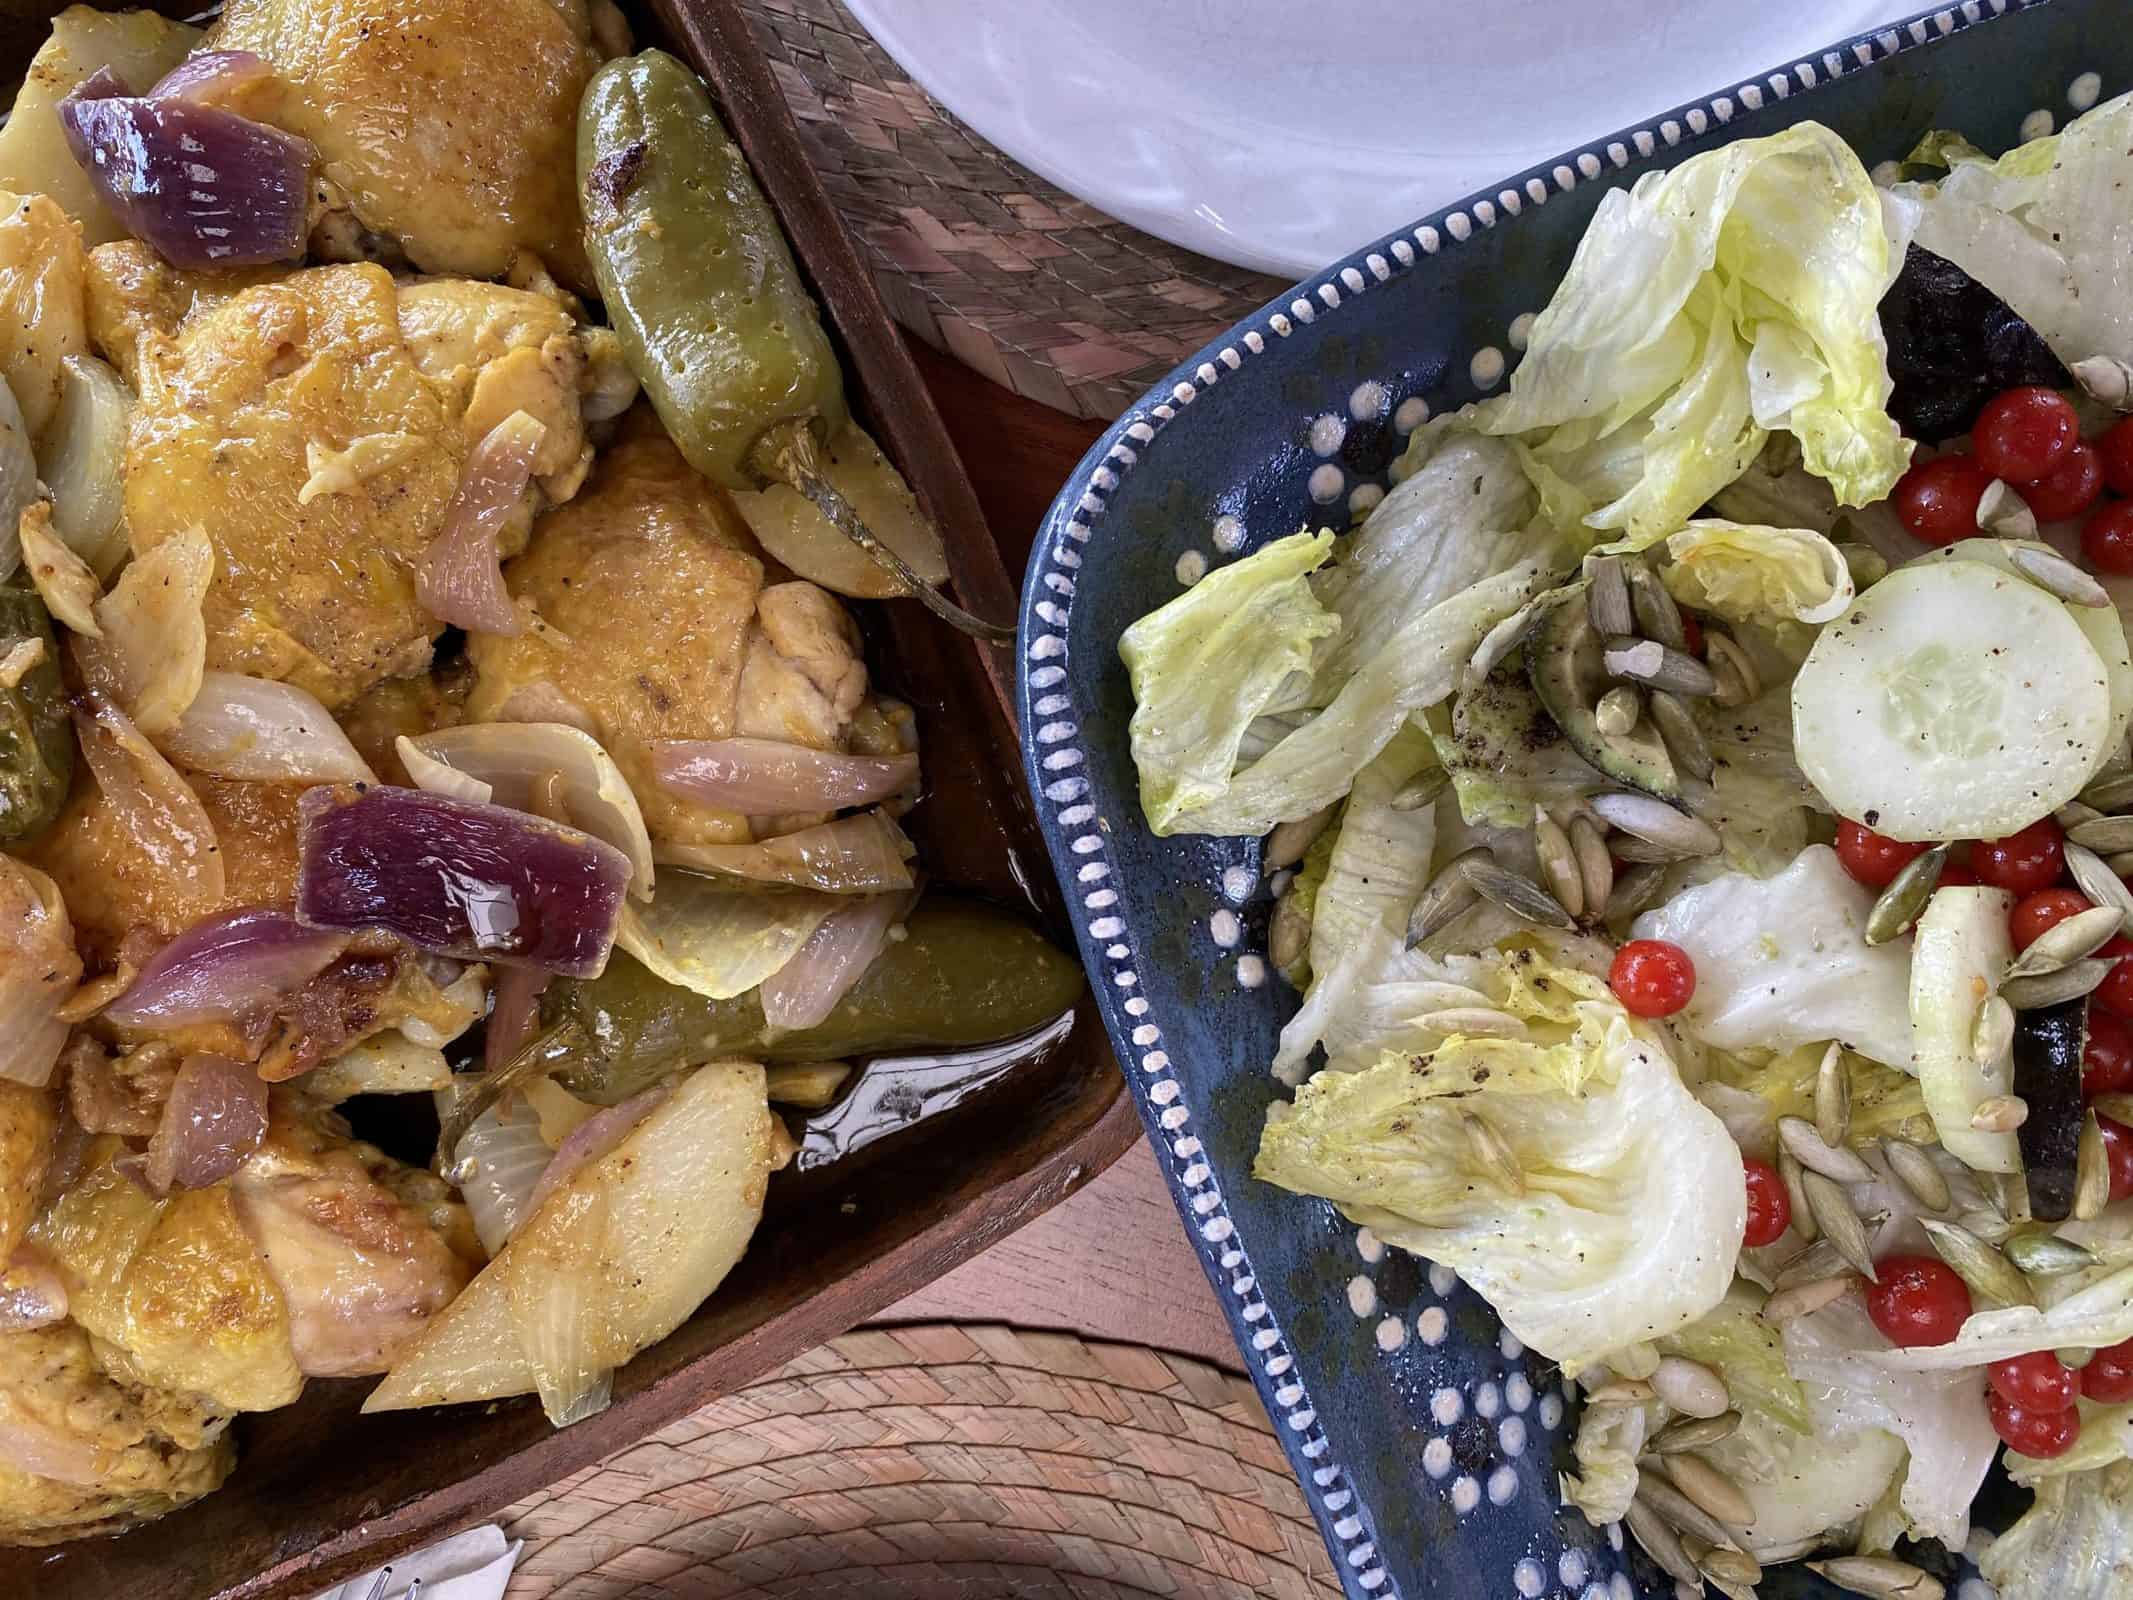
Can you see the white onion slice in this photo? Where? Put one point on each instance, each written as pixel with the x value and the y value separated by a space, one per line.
pixel 39 971
pixel 153 652
pixel 261 731
pixel 84 460
pixel 715 941
pixel 803 992
pixel 431 774
pixel 504 1156
pixel 151 805
pixel 18 479
pixel 61 578
pixel 385 1063
pixel 460 577
pixel 511 758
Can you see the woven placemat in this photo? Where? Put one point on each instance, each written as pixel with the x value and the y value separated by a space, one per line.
pixel 978 255
pixel 942 1462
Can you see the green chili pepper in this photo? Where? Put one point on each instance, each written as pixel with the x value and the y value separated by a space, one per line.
pixel 36 738
pixel 702 290
pixel 964 973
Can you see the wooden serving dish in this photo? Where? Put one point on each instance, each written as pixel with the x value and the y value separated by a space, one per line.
pixel 321 1492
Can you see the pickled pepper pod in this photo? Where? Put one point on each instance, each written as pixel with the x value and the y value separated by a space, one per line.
pixel 36 737
pixel 702 290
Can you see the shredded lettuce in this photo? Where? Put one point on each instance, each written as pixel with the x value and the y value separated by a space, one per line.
pixel 1610 1438
pixel 1708 305
pixel 1747 573
pixel 1622 1221
pixel 2075 1543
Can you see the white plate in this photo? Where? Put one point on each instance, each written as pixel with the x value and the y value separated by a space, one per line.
pixel 1281 136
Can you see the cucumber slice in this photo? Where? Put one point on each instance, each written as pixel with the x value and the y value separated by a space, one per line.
pixel 1958 956
pixel 1951 701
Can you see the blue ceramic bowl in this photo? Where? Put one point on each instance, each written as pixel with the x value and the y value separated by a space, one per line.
pixel 1427 1439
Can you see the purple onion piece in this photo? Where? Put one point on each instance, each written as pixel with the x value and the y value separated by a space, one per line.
pixel 224 969
pixel 102 84
pixel 206 187
pixel 216 1115
pixel 483 883
pixel 764 776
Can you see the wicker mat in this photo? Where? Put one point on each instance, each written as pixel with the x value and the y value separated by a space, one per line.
pixel 942 1462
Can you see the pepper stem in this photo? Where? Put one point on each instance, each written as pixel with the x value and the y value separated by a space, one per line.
pixel 788 454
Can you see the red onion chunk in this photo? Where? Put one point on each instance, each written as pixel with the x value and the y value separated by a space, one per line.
pixel 216 1116
pixel 764 777
pixel 591 1139
pixel 225 969
pixel 513 1016
pixel 479 882
pixel 803 992
pixel 205 186
pixel 460 578
pixel 212 78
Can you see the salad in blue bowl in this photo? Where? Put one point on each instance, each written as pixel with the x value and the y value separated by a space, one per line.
pixel 1701 800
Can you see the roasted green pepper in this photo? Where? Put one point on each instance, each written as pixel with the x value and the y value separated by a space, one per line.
pixel 963 974
pixel 36 739
pixel 702 290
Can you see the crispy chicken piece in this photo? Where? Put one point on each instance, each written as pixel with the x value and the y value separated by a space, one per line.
pixel 131 292
pixel 29 1130
pixel 650 578
pixel 42 266
pixel 451 125
pixel 231 411
pixel 105 1452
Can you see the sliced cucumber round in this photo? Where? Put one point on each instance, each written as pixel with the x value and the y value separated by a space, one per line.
pixel 1951 701
pixel 1959 954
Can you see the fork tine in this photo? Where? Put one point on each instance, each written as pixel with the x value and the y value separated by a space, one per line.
pixel 414 1591
pixel 377 1590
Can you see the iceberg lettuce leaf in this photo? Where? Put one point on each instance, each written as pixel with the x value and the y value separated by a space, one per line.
pixel 2074 1543
pixel 1752 574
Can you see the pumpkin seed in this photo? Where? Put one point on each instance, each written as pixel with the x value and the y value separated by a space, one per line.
pixel 1559 863
pixel 2114 793
pixel 1710 1489
pixel 1992 1035
pixel 1899 905
pixel 1635 890
pixel 2000 1113
pixel 1791 1173
pixel 1812 1151
pixel 1496 644
pixel 1649 662
pixel 1693 1433
pixel 1805 1299
pixel 1656 822
pixel 2096 878
pixel 2001 511
pixel 2074 1357
pixel 1607 596
pixel 1986 1271
pixel 1867 565
pixel 1658 617
pixel 1660 1543
pixel 1619 711
pixel 2064 943
pixel 2107 380
pixel 1596 868
pixel 2118 1107
pixel 1880 1578
pixel 2046 1255
pixel 1290 841
pixel 1833 1097
pixel 1288 932
pixel 2057 576
pixel 1915 1170
pixel 1678 1511
pixel 1683 739
pixel 1492 1154
pixel 1690 1387
pixel 1737 680
pixel 1620 1392
pixel 1446 899
pixel 2104 835
pixel 2070 982
pixel 2092 1172
pixel 1421 790
pixel 1840 1223
pixel 1522 897
pixel 1472 1021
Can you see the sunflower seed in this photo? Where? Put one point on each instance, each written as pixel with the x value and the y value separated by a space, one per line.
pixel 1496 644
pixel 1446 899
pixel 2107 380
pixel 2118 1107
pixel 1881 1578
pixel 1992 1035
pixel 2121 863
pixel 1734 1567
pixel 1812 1151
pixel 2070 982
pixel 1987 1225
pixel 1288 932
pixel 2064 943
pixel 2092 1172
pixel 1999 1113
pixel 1596 868
pixel 1472 1021
pixel 1791 1173
pixel 1642 852
pixel 2096 878
pixel 1679 1512
pixel 1421 791
pixel 2057 576
pixel 2046 1255
pixel 1656 822
pixel 2074 813
pixel 2074 1357
pixel 1290 841
pixel 1690 1387
pixel 1657 615
pixel 1805 1299
pixel 1840 1223
pixel 1693 1433
pixel 1522 897
pixel 2110 794
pixel 1660 1543
pixel 1833 1096
pixel 2002 511
pixel 1737 681
pixel 1682 737
pixel 1559 863
pixel 1620 1392
pixel 1986 1271
pixel 1867 565
pixel 2104 835
pixel 2009 1192
pixel 1710 1489
pixel 1684 1590
pixel 1619 710
pixel 1635 890
pixel 1648 661
pixel 1492 1154
pixel 1917 1173
pixel 1607 596
pixel 1898 906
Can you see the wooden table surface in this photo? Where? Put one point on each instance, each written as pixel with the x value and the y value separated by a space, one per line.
pixel 1113 1261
